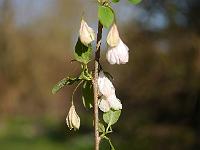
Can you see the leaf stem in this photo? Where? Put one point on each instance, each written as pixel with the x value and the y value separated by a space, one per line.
pixel 95 86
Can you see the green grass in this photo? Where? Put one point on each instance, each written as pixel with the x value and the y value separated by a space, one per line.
pixel 79 143
pixel 29 135
pixel 44 134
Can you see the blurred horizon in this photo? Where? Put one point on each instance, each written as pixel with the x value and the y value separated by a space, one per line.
pixel 159 87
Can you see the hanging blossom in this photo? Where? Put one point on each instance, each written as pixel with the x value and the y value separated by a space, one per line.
pixel 108 98
pixel 73 120
pixel 86 33
pixel 105 86
pixel 117 52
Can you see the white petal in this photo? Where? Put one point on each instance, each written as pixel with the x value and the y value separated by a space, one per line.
pixel 104 105
pixel 75 120
pixel 113 36
pixel 110 57
pixel 123 52
pixel 118 54
pixel 114 102
pixel 105 86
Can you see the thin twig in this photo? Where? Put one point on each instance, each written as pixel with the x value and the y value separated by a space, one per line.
pixel 95 86
pixel 75 91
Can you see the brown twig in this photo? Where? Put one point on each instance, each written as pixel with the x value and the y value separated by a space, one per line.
pixel 95 85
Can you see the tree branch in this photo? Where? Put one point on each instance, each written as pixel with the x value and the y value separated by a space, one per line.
pixel 95 85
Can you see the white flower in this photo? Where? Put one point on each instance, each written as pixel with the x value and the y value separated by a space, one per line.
pixel 87 34
pixel 108 98
pixel 113 38
pixel 105 86
pixel 73 120
pixel 118 54
pixel 106 103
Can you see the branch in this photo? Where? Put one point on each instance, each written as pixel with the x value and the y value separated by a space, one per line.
pixel 95 85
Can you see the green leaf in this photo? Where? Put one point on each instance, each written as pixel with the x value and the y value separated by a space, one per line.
pixel 115 1
pixel 135 2
pixel 62 83
pixel 101 128
pixel 82 53
pixel 87 91
pixel 111 117
pixel 106 16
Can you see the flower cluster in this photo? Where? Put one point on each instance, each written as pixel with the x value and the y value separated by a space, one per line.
pixel 117 51
pixel 117 54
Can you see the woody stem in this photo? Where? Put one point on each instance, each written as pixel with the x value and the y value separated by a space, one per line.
pixel 95 85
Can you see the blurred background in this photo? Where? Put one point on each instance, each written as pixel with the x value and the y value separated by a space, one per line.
pixel 159 87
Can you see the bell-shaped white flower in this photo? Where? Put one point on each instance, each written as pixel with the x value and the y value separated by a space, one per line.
pixel 118 54
pixel 113 38
pixel 107 92
pixel 104 104
pixel 105 86
pixel 86 33
pixel 114 102
pixel 73 120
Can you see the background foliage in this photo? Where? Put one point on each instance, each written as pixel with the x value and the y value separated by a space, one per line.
pixel 159 87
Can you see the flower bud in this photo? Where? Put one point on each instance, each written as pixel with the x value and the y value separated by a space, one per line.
pixel 87 34
pixel 113 36
pixel 73 120
pixel 105 86
pixel 119 54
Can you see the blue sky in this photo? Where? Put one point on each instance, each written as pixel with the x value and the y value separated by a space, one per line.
pixel 28 11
